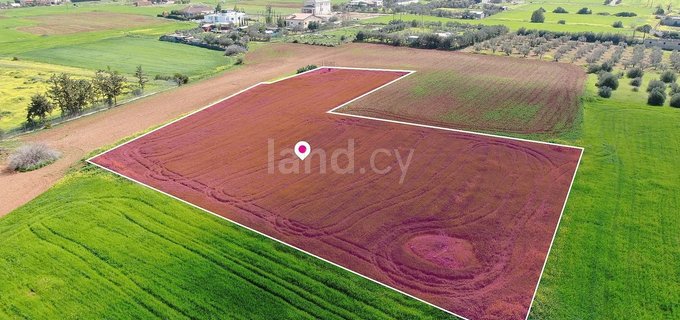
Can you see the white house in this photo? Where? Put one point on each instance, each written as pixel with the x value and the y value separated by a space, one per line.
pixel 225 17
pixel 301 20
pixel 317 7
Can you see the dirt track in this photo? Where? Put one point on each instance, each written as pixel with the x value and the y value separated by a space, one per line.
pixel 468 229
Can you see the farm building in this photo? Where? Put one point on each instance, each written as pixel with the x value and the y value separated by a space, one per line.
pixel 301 20
pixel 196 10
pixel 225 17
pixel 317 7
pixel 673 21
pixel 666 44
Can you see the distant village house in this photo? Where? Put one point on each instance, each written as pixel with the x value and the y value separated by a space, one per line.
pixel 301 20
pixel 225 17
pixel 317 7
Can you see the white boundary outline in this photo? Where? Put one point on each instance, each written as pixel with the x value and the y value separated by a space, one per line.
pixel 333 111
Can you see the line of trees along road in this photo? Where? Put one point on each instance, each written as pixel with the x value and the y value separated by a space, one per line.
pixel 71 96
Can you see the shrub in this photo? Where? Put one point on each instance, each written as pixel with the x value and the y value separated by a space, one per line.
pixel 137 92
pixel 234 49
pixel 656 97
pixel 307 68
pixel 636 89
pixel 604 92
pixel 635 72
pixel 561 22
pixel 656 84
pixel 668 76
pixel 594 68
pixel 675 100
pixel 617 24
pixel 636 82
pixel 180 79
pixel 607 79
pixel 537 16
pixel 607 66
pixel 584 11
pixel 15 58
pixel 560 10
pixel 626 14
pixel 675 88
pixel 32 156
pixel 239 61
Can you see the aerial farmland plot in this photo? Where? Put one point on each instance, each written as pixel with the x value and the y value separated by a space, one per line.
pixel 465 224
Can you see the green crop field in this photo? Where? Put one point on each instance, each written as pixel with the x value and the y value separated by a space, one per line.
pixel 87 46
pixel 617 249
pixel 519 16
pixel 131 252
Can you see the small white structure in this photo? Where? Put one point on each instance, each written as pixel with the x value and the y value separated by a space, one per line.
pixel 405 2
pixel 225 17
pixel 317 7
pixel 366 3
pixel 301 20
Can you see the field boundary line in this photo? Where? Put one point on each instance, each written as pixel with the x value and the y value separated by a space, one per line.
pixel 333 111
pixel 552 242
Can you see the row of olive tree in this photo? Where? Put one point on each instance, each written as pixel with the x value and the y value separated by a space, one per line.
pixel 71 96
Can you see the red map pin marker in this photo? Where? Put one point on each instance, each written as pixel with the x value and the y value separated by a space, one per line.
pixel 302 149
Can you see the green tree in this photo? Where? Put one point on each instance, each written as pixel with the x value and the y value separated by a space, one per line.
pixel 110 84
pixel 606 79
pixel 656 97
pixel 141 77
pixel 675 100
pixel 218 8
pixel 39 107
pixel 537 16
pixel 70 95
pixel 668 76
pixel 584 10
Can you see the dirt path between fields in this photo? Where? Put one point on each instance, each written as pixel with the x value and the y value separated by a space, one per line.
pixel 76 139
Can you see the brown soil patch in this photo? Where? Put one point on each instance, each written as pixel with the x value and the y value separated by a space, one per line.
pixel 86 22
pixel 469 225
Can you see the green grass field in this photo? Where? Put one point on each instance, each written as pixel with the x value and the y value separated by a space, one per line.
pixel 121 48
pixel 519 16
pixel 131 252
pixel 617 250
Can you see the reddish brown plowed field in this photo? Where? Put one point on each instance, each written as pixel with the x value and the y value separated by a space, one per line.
pixel 468 230
pixel 484 93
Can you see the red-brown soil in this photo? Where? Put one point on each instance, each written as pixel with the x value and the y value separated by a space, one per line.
pixel 468 230
pixel 484 93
